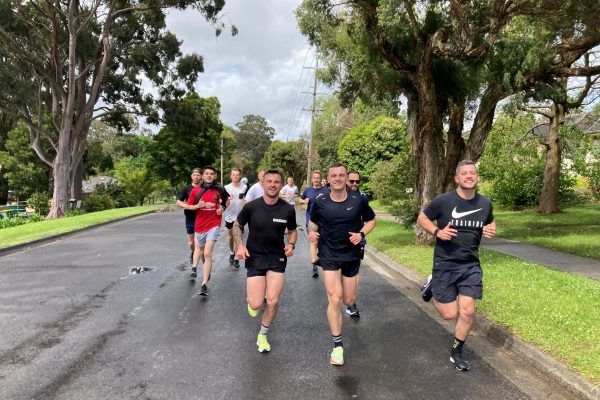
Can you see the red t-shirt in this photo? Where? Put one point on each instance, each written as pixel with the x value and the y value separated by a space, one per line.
pixel 207 218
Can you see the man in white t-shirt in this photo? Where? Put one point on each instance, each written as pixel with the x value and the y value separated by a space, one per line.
pixel 289 191
pixel 256 190
pixel 236 192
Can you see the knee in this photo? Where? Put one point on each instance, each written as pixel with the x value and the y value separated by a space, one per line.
pixel 207 255
pixel 255 303
pixel 467 313
pixel 349 300
pixel 448 313
pixel 335 300
pixel 272 301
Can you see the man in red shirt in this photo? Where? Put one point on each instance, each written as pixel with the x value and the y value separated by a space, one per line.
pixel 211 201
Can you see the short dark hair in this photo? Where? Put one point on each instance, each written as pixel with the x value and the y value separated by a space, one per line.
pixel 274 172
pixel 463 163
pixel 209 167
pixel 197 169
pixel 336 165
pixel 353 171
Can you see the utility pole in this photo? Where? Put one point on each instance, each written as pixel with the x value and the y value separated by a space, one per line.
pixel 222 183
pixel 313 111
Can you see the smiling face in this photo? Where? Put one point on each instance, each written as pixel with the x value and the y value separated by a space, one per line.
pixel 208 176
pixel 466 177
pixel 337 178
pixel 272 184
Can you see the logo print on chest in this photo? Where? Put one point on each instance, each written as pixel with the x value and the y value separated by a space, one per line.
pixel 456 214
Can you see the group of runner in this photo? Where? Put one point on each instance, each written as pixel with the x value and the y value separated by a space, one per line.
pixel 338 218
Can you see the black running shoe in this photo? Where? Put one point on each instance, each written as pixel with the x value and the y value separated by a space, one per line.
pixel 315 271
pixel 194 273
pixel 236 264
pixel 426 292
pixel 192 257
pixel 231 259
pixel 352 311
pixel 459 362
pixel 203 290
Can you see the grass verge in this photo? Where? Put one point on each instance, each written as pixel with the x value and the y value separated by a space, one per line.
pixel 574 230
pixel 554 310
pixel 38 230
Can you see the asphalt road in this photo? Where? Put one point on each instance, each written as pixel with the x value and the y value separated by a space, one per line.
pixel 75 323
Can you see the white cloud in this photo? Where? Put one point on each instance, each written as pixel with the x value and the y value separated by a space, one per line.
pixel 256 72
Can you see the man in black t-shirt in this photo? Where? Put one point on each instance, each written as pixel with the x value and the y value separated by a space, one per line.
pixel 188 211
pixel 462 216
pixel 265 251
pixel 339 221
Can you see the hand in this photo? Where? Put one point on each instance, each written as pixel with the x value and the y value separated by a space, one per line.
pixel 355 238
pixel 447 233
pixel 489 230
pixel 289 250
pixel 220 210
pixel 208 204
pixel 242 252
pixel 313 236
pixel 200 204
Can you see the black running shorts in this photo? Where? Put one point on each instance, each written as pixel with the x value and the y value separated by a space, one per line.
pixel 349 268
pixel 448 284
pixel 229 225
pixel 250 272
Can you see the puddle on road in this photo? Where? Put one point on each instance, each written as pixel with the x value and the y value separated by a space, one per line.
pixel 140 270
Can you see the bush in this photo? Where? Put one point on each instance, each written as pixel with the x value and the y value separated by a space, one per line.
pixel 40 202
pixel 392 183
pixel 75 212
pixel 117 192
pixel 16 221
pixel 98 202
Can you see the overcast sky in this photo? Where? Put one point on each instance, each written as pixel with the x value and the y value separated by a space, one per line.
pixel 258 71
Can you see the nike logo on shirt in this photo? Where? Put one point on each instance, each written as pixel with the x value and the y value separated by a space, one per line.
pixel 349 208
pixel 456 214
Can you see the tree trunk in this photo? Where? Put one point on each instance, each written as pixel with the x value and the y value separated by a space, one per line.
pixel 77 182
pixel 61 175
pixel 548 203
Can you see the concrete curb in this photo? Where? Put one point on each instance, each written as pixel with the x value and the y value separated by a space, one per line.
pixel 501 337
pixel 12 249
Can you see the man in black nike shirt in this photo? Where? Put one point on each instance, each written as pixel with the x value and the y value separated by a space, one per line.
pixel 265 251
pixel 336 222
pixel 462 216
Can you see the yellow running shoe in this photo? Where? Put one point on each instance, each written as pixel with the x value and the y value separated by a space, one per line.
pixel 253 313
pixel 337 356
pixel 263 345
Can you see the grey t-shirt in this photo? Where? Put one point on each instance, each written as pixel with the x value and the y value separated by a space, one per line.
pixel 236 203
pixel 255 192
pixel 287 190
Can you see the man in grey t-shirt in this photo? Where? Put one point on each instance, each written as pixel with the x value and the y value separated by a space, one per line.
pixel 289 191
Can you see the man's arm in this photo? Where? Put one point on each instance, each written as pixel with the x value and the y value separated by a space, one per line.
pixel 443 234
pixel 291 244
pixel 313 232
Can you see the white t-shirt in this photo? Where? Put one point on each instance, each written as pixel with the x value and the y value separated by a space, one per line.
pixel 255 192
pixel 236 204
pixel 287 190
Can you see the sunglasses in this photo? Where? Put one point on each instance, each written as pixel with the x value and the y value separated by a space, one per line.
pixel 352 181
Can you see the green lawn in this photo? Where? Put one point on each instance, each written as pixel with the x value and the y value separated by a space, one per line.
pixel 576 230
pixel 555 310
pixel 37 230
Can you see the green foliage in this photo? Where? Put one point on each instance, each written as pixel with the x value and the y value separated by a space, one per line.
pixel 369 143
pixel 189 139
pixel 24 172
pixel 117 192
pixel 93 202
pixel 40 202
pixel 393 182
pixel 75 212
pixel 253 137
pixel 16 221
pixel 136 178
pixel 288 157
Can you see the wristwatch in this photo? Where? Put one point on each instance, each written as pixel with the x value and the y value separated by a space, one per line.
pixel 362 234
pixel 437 230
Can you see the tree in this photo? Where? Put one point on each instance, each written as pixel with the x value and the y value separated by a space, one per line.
pixel 253 137
pixel 136 177
pixel 452 61
pixel 60 60
pixel 189 139
pixel 369 143
pixel 288 157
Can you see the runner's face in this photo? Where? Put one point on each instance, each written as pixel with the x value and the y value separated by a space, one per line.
pixel 323 182
pixel 316 180
pixel 235 176
pixel 272 185
pixel 290 181
pixel 353 181
pixel 467 177
pixel 208 176
pixel 196 177
pixel 337 178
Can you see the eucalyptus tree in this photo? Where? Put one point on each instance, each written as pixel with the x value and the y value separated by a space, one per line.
pixel 65 63
pixel 452 60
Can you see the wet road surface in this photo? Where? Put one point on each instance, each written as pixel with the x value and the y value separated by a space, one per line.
pixel 77 324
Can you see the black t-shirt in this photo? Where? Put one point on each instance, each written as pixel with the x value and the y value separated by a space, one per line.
pixel 184 196
pixel 468 217
pixel 336 220
pixel 267 227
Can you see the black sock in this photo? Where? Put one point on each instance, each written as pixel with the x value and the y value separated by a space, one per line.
pixel 337 340
pixel 457 346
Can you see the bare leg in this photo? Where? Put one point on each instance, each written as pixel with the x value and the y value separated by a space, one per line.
pixel 333 286
pixel 207 261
